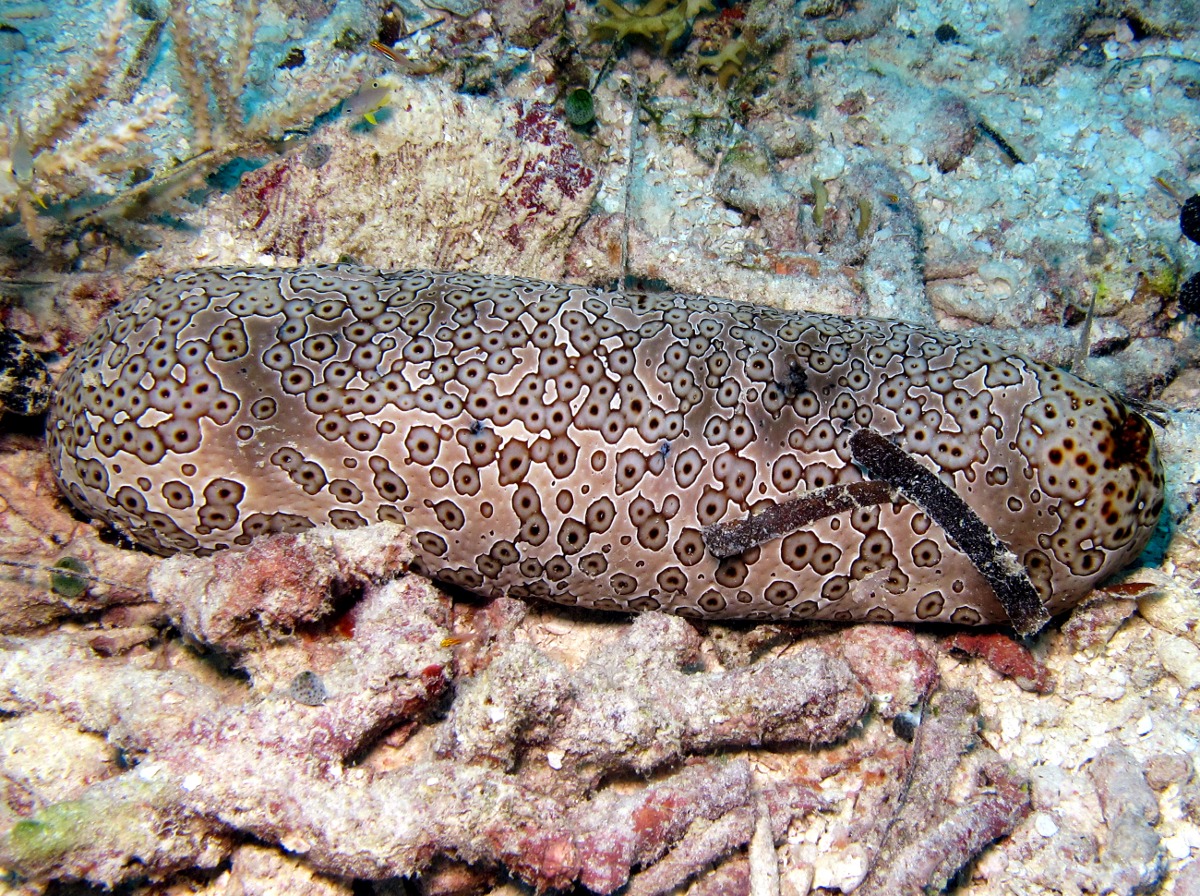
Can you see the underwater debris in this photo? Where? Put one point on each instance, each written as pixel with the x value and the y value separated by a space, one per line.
pixel 1011 582
pixel 960 797
pixel 277 770
pixel 732 538
pixel 294 58
pixel 1187 879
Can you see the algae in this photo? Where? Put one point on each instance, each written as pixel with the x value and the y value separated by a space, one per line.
pixel 54 831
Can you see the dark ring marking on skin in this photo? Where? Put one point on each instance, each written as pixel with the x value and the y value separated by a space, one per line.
pixel 730 539
pixel 885 461
pixel 552 440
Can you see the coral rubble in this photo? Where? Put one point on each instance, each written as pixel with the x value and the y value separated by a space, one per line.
pixel 527 745
pixel 438 167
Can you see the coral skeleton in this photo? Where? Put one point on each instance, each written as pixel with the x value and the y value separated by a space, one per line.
pixel 377 729
pixel 526 746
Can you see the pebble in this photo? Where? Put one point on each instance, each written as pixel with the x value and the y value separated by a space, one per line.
pixel 830 164
pixel 12 42
pixel 842 869
pixel 1010 727
pixel 1166 769
pixel 1181 659
pixel 1178 847
pixel 1045 825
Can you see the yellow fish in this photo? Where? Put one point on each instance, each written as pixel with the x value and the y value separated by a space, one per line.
pixel 369 99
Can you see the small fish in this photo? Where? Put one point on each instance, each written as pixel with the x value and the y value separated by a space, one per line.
pixel 21 155
pixel 369 99
pixel 403 62
pixel 387 51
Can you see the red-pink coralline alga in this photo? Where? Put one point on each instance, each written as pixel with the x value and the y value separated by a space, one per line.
pixel 560 165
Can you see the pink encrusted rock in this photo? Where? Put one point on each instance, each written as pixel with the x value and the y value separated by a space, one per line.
pixel 1187 879
pixel 550 173
pixel 260 870
pixel 1094 622
pixel 36 531
pixel 236 600
pixel 891 664
pixel 631 705
pixel 525 750
pixel 960 797
pixel 1121 786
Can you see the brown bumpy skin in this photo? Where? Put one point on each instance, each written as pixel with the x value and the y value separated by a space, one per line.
pixel 571 444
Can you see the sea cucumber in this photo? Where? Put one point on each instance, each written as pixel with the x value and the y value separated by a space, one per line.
pixel 585 447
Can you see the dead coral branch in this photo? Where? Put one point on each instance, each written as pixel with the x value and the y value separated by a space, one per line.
pixel 959 797
pixel 222 759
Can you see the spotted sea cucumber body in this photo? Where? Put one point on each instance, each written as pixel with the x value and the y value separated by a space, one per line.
pixel 571 444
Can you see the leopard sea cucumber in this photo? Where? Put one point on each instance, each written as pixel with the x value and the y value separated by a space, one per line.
pixel 584 446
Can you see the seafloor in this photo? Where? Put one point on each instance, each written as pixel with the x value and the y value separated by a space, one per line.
pixel 296 720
